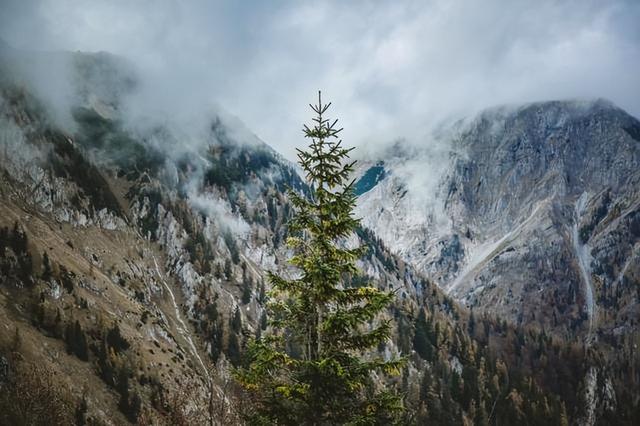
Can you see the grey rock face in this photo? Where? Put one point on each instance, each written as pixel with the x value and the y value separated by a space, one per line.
pixel 535 215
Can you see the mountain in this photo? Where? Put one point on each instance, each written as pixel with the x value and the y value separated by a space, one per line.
pixel 533 214
pixel 133 257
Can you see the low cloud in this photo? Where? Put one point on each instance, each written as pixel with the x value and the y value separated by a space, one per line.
pixel 392 69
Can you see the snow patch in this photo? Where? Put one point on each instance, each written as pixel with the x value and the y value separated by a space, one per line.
pixel 583 255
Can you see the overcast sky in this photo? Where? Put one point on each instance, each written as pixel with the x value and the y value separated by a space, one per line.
pixel 392 69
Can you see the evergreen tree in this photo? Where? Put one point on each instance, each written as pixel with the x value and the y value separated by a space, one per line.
pixel 19 240
pixel 471 326
pixel 228 270
pixel 235 331
pixel 46 267
pixel 236 321
pixel 122 387
pixel 261 293
pixel 233 348
pixel 216 339
pixel 76 341
pixel 246 289
pixel 116 341
pixel 16 342
pixel 4 240
pixel 81 347
pixel 81 412
pixel 421 343
pixel 329 379
pixel 134 408
pixel 215 329
pixel 263 321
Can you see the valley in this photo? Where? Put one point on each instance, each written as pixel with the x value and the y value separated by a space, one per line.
pixel 134 260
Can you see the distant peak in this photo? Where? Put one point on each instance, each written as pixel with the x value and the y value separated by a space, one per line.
pixel 570 108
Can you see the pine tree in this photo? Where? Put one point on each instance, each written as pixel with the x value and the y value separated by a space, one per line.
pixel 233 345
pixel 236 321
pixel 81 412
pixel 263 321
pixel 327 379
pixel 16 342
pixel 76 341
pixel 46 267
pixel 421 343
pixel 233 348
pixel 246 289
pixel 228 270
pixel 80 344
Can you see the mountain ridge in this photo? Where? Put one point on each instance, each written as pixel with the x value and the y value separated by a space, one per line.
pixel 538 159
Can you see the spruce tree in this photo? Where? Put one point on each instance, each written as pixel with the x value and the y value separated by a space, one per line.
pixel 46 267
pixel 316 365
pixel 246 289
pixel 421 343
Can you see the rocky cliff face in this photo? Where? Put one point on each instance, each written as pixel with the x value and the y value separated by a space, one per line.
pixel 533 213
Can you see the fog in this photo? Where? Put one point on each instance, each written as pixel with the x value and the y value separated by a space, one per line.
pixel 392 69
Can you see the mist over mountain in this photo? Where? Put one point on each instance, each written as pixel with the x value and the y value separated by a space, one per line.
pixel 392 70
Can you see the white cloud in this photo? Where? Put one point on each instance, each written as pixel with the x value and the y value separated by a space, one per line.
pixel 392 69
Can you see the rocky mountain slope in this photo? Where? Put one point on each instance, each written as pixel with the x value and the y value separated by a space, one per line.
pixel 132 264
pixel 532 213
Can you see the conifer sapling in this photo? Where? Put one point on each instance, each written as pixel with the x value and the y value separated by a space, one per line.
pixel 315 364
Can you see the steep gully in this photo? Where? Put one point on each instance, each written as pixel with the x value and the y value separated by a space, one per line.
pixel 181 327
pixel 583 256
